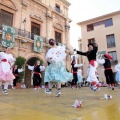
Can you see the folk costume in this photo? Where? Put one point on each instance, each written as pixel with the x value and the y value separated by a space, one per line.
pixel 91 55
pixel 6 76
pixel 75 73
pixel 56 71
pixel 108 70
pixel 36 75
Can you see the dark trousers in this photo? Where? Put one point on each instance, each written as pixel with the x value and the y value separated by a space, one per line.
pixel 75 79
pixel 109 76
pixel 15 81
pixel 36 80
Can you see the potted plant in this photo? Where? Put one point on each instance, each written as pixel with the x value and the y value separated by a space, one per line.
pixel 20 62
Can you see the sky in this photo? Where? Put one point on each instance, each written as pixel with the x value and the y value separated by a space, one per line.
pixel 81 10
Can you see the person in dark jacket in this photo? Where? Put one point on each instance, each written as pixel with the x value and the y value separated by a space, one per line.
pixel 108 70
pixel 91 55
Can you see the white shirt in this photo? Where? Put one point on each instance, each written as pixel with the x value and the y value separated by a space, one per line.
pixel 79 71
pixel 117 67
pixel 32 68
pixel 9 61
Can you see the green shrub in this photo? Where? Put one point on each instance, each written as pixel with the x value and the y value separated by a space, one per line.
pixel 20 62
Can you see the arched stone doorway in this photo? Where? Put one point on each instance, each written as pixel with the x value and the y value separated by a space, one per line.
pixel 28 73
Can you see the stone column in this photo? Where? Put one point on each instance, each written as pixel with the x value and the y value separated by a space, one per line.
pixel 67 42
pixel 48 24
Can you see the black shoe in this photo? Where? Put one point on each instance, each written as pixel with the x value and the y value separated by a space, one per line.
pixel 113 88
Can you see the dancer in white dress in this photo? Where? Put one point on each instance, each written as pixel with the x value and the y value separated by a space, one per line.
pixel 56 71
pixel 6 62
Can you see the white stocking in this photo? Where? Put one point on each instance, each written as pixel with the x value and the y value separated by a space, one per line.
pixel 6 85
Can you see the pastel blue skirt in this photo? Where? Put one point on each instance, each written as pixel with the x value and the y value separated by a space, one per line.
pixel 57 73
pixel 117 77
pixel 79 78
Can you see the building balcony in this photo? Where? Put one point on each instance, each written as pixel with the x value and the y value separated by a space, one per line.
pixel 26 34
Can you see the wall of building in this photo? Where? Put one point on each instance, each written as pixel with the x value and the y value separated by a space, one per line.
pixel 42 12
pixel 99 33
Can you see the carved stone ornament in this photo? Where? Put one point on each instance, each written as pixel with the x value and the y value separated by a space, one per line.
pixel 49 15
pixel 58 26
pixel 36 16
pixel 24 3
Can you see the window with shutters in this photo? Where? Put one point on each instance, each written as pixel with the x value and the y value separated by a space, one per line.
pixel 35 29
pixel 58 37
pixel 113 54
pixel 6 18
pixel 110 40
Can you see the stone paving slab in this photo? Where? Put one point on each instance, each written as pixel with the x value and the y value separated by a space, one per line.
pixel 27 104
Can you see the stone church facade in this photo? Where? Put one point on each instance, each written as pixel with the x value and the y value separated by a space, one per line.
pixel 46 18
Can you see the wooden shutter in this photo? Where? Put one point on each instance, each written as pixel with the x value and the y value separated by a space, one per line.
pixel 58 37
pixel 6 18
pixel 35 28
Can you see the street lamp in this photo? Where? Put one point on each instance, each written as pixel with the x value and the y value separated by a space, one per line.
pixel 24 22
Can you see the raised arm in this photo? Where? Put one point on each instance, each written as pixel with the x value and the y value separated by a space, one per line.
pixel 81 53
pixel 30 67
pixel 42 68
pixel 20 70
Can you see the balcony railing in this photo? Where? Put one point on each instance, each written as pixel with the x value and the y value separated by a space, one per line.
pixel 25 33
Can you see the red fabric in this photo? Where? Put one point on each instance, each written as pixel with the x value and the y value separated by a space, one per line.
pixel 92 62
pixel 113 84
pixel 4 60
pixel 15 75
pixel 107 68
pixel 37 73
pixel 94 83
pixel 98 85
pixel 74 72
pixel 72 62
pixel 108 56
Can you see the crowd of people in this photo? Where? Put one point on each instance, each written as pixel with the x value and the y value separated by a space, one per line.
pixel 56 71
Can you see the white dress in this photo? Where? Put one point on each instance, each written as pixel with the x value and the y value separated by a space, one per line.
pixel 79 75
pixel 117 69
pixel 6 62
pixel 56 71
